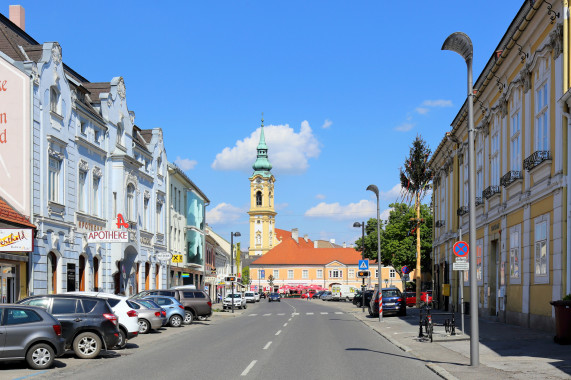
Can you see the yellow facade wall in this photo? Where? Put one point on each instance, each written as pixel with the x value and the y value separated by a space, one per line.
pixel 514 298
pixel 539 296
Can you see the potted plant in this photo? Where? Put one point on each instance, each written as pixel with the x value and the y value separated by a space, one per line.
pixel 562 320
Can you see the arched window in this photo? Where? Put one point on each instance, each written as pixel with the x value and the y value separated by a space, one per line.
pixel 259 198
pixel 130 206
pixel 55 100
pixel 52 273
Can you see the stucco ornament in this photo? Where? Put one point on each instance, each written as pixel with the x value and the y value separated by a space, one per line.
pixel 525 77
pixel 83 165
pixel 147 195
pixel 556 40
pixel 121 88
pixel 35 75
pixel 55 154
pixel 97 172
pixel 503 105
pixel 56 53
pixel 109 100
pixel 132 116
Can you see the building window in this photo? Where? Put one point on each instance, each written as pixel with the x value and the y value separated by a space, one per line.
pixel 258 238
pixel 130 209
pixel 259 198
pixel 392 273
pixel 120 133
pixel 55 100
pixel 96 195
pixel 515 135
pixel 541 119
pixel 514 254
pixel 261 273
pixel 276 274
pixel 320 273
pixel 479 172
pixel 351 273
pixel 97 136
pixel 52 273
pixel 305 274
pixel 54 180
pixel 335 273
pixel 82 191
pixel 377 272
pixel 83 127
pixel 541 249
pixel 290 274
pixel 495 155
pixel 160 166
pixel 466 180
pixel 146 214
pixel 479 266
pixel 159 221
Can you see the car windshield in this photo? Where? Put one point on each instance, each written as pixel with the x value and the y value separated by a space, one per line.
pixel 391 293
pixel 249 294
pixel 274 295
pixel 234 296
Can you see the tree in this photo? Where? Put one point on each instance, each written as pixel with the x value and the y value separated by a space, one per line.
pixel 271 282
pixel 246 275
pixel 371 240
pixel 415 179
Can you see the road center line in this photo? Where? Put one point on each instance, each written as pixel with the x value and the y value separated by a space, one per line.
pixel 285 324
pixel 278 333
pixel 267 345
pixel 248 368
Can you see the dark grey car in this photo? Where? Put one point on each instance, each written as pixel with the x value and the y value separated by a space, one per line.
pixel 195 301
pixel 30 333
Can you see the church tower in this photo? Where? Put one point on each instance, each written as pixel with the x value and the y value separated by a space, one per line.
pixel 262 212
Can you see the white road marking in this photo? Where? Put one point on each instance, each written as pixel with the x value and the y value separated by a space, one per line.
pixel 309 313
pixel 295 314
pixel 278 333
pixel 338 312
pixel 248 368
pixel 324 312
pixel 253 315
pixel 289 319
pixel 267 345
pixel 285 324
pixel 281 313
pixel 265 315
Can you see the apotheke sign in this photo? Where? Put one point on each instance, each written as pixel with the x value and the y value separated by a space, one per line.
pixel 113 236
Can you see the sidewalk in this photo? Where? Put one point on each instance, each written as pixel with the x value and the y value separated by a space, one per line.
pixel 505 351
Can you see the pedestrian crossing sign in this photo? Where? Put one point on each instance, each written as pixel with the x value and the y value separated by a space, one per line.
pixel 363 264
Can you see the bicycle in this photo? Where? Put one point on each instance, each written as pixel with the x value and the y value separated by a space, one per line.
pixel 426 322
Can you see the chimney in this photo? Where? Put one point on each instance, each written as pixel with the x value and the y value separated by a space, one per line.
pixel 344 245
pixel 332 241
pixel 305 237
pixel 295 234
pixel 18 16
pixel 315 244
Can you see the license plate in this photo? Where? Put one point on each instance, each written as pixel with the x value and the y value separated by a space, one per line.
pixel 390 304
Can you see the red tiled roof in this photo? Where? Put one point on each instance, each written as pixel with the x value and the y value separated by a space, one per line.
pixel 284 235
pixel 288 252
pixel 8 214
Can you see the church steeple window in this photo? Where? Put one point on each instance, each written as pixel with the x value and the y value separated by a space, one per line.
pixel 259 198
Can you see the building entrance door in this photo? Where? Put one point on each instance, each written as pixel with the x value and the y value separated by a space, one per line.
pixel 493 277
pixel 8 284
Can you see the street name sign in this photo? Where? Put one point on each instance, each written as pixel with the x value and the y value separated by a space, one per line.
pixel 460 265
pixel 363 264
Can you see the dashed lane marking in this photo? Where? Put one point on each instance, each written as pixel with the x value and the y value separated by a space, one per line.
pixel 249 367
pixel 309 313
pixel 265 315
pixel 267 345
pixel 281 313
pixel 285 324
pixel 279 332
pixel 338 312
pixel 294 313
pixel 252 315
pixel 324 313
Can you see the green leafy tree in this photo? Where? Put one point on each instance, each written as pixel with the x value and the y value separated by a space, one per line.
pixel 371 241
pixel 246 275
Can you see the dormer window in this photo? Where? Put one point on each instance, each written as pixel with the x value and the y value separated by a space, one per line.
pixel 259 198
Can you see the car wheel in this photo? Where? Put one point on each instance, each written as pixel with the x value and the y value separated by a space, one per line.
pixel 175 321
pixel 122 339
pixel 188 317
pixel 202 318
pixel 87 345
pixel 40 356
pixel 144 326
pixel 358 304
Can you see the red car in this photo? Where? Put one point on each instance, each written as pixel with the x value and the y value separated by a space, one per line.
pixel 410 299
pixel 307 295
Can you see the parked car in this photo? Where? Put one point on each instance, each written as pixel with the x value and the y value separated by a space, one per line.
pixel 358 299
pixel 342 292
pixel 250 297
pixel 327 296
pixel 426 297
pixel 239 301
pixel 30 333
pixel 154 305
pixel 393 302
pixel 174 309
pixel 88 323
pixel 410 298
pixel 258 296
pixel 196 302
pixel 263 295
pixel 125 312
pixel 318 294
pixel 274 297
pixel 150 318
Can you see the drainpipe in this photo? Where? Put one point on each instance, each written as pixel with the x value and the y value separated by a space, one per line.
pixel 568 270
pixel 31 255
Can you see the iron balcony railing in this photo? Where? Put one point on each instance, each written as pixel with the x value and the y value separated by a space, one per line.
pixel 510 177
pixel 536 158
pixel 491 191
pixel 479 201
pixel 440 223
pixel 462 210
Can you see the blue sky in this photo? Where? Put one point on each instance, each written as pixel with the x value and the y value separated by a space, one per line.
pixel 345 87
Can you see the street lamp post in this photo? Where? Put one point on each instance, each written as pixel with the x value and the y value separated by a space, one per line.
pixel 375 190
pixel 362 225
pixel 232 234
pixel 460 43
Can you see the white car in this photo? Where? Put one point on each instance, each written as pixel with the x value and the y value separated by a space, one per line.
pixel 122 308
pixel 257 296
pixel 239 301
pixel 250 297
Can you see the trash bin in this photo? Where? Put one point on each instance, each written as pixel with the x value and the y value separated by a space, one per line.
pixel 562 321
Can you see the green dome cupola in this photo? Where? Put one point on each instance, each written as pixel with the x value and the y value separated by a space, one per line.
pixel 262 165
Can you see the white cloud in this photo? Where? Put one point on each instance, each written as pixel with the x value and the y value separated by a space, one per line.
pixel 364 208
pixel 386 213
pixel 288 151
pixel 281 206
pixel 393 194
pixel 185 163
pixel 328 123
pixel 437 103
pixel 404 127
pixel 422 110
pixel 320 196
pixel 223 213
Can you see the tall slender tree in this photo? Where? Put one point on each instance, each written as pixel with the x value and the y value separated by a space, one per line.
pixel 415 180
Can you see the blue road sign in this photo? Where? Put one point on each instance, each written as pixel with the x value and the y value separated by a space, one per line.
pixel 262 273
pixel 363 264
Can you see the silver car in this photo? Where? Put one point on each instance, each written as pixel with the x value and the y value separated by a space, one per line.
pixel 150 317
pixel 30 333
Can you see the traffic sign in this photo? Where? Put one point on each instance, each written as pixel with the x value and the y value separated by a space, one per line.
pixel 363 264
pixel 461 248
pixel 405 269
pixel 460 265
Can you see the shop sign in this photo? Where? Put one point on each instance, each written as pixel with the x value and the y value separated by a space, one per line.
pixel 16 240
pixel 164 256
pixel 112 236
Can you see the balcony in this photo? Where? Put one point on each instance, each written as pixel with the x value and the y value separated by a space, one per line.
pixel 440 223
pixel 462 210
pixel 490 191
pixel 479 201
pixel 536 158
pixel 510 177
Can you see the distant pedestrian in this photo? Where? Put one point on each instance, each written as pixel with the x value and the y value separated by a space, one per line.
pixel 219 297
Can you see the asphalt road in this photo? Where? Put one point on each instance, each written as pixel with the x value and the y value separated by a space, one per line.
pixel 291 339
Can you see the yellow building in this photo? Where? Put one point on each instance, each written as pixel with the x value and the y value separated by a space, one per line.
pixel 521 118
pixel 262 212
